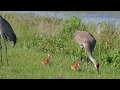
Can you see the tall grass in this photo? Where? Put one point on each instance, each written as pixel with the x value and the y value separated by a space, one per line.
pixel 38 35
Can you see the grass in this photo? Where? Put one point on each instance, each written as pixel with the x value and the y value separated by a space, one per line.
pixel 37 35
pixel 28 66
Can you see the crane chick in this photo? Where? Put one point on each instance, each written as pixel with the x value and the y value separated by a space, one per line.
pixel 75 66
pixel 46 60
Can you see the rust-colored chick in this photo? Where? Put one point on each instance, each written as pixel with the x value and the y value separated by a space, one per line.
pixel 46 60
pixel 75 66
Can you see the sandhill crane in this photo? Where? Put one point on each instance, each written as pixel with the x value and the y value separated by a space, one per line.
pixel 7 34
pixel 87 41
pixel 46 60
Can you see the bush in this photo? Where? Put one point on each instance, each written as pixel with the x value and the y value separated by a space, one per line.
pixel 70 25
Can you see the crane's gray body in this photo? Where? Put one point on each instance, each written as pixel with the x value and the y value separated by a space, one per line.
pixel 7 34
pixel 6 30
pixel 87 41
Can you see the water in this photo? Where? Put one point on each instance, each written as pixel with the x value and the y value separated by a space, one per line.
pixel 87 16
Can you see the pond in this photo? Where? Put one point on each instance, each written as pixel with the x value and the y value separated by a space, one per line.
pixel 87 16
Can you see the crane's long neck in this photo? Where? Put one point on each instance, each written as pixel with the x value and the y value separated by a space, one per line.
pixel 92 59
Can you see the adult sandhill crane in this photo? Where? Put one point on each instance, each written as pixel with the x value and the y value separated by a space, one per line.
pixel 87 41
pixel 7 34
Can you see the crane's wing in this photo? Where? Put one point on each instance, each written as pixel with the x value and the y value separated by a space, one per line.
pixel 7 31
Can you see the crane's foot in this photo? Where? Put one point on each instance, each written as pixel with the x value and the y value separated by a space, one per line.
pixel 1 63
pixel 80 63
pixel 87 71
pixel 7 64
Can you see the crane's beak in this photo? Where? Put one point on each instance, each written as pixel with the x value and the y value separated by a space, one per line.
pixel 13 44
pixel 14 41
pixel 97 67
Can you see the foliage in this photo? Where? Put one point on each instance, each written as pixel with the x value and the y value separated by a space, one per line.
pixel 70 25
pixel 37 35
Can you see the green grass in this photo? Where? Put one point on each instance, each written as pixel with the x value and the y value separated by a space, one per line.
pixel 26 64
pixel 36 36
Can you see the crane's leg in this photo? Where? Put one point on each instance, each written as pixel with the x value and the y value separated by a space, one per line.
pixel 81 58
pixel 1 52
pixel 6 52
pixel 86 62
